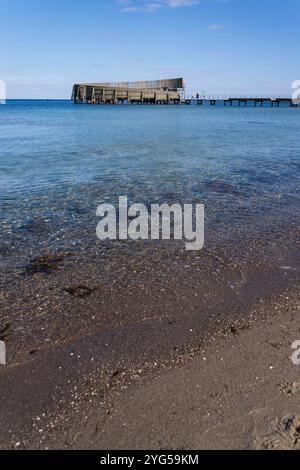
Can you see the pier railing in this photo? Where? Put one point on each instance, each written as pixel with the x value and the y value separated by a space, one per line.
pixel 241 97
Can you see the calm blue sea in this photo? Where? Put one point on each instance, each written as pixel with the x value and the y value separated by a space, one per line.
pixel 58 161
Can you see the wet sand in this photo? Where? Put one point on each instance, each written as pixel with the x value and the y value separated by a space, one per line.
pixel 147 346
pixel 241 391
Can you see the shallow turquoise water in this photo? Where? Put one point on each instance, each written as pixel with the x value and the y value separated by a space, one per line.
pixel 58 161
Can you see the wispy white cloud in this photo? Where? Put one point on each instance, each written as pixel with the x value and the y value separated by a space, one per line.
pixel 216 27
pixel 180 3
pixel 137 7
pixel 147 6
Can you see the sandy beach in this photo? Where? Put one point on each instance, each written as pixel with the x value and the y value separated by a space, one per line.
pixel 145 346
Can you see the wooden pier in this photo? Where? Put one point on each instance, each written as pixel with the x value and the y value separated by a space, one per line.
pixel 254 102
pixel 168 91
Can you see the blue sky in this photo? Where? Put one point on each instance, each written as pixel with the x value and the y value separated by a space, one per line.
pixel 220 46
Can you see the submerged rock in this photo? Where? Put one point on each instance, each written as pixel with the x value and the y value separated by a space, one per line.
pixel 46 263
pixel 80 291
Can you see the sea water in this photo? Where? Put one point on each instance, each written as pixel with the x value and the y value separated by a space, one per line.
pixel 59 161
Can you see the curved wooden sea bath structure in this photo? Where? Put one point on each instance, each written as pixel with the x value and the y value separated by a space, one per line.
pixel 141 92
